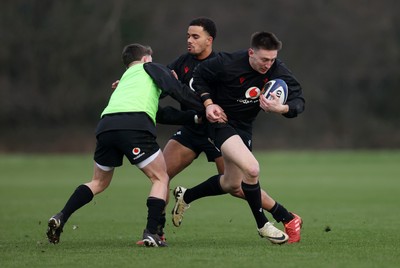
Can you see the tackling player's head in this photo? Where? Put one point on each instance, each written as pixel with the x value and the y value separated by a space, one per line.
pixel 136 52
pixel 263 51
pixel 200 36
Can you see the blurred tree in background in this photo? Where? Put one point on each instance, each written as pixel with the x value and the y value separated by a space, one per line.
pixel 59 58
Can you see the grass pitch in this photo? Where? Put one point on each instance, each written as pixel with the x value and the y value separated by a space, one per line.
pixel 349 201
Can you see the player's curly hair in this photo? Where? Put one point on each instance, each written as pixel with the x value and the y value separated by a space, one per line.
pixel 265 40
pixel 135 52
pixel 207 24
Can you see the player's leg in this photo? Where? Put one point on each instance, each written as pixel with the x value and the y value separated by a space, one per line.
pixel 101 179
pixel 109 157
pixel 179 152
pixel 236 153
pixel 177 157
pixel 155 169
pixel 216 185
pixel 81 196
pixel 210 187
pixel 219 163
pixel 242 171
pixel 291 221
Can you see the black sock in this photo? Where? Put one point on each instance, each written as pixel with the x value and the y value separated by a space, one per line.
pixel 78 199
pixel 252 193
pixel 209 187
pixel 162 223
pixel 155 215
pixel 280 213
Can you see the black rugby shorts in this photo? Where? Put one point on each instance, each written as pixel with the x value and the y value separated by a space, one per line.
pixel 136 145
pixel 197 143
pixel 220 132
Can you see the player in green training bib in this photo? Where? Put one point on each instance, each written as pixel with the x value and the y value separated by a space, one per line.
pixel 128 128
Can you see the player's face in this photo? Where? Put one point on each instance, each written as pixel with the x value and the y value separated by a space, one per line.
pixel 198 42
pixel 261 60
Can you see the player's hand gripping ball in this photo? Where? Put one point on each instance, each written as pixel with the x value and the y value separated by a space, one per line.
pixel 279 87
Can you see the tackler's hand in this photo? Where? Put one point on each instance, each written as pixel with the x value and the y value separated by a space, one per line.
pixel 215 113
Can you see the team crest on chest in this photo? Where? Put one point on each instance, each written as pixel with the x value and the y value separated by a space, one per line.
pixel 252 93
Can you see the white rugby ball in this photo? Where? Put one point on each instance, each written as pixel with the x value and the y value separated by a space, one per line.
pixel 279 87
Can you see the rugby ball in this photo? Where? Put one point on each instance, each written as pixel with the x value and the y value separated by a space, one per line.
pixel 279 87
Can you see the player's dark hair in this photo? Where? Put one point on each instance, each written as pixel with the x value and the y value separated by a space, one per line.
pixel 265 40
pixel 135 52
pixel 207 24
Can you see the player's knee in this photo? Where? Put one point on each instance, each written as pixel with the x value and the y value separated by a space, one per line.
pixel 253 170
